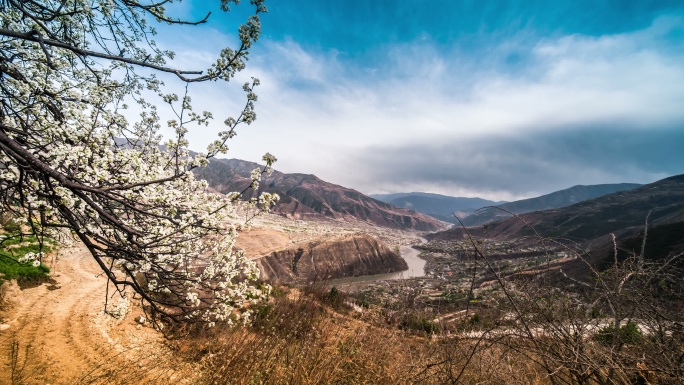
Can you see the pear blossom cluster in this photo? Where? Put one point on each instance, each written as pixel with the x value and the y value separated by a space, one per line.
pixel 73 163
pixel 32 258
pixel 122 308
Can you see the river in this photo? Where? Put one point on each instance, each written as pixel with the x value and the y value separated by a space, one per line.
pixel 416 268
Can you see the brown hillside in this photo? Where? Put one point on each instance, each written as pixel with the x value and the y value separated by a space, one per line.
pixel 308 197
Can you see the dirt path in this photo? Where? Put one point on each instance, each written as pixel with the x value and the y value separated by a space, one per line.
pixel 56 333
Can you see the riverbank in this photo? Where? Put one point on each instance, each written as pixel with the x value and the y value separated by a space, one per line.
pixel 416 269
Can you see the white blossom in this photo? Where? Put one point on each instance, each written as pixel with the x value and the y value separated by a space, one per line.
pixel 78 163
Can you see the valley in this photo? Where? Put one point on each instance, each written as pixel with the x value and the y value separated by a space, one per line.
pixel 332 192
pixel 510 243
pixel 465 285
pixel 474 271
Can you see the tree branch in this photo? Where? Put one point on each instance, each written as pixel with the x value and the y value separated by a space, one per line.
pixel 35 37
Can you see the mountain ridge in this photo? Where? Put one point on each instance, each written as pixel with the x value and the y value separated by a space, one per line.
pixel 438 206
pixel 307 196
pixel 662 202
pixel 554 200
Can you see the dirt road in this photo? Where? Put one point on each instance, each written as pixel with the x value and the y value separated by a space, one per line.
pixel 56 333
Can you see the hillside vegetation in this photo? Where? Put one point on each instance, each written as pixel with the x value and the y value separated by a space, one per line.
pixel 13 247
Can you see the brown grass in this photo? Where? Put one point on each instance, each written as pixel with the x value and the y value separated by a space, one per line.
pixel 299 339
pixel 3 296
pixel 313 337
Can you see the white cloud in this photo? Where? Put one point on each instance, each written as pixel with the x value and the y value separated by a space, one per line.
pixel 317 109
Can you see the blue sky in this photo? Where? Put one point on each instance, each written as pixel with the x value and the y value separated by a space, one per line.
pixel 499 99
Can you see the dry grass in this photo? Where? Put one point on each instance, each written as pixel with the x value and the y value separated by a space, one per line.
pixel 312 337
pixel 300 339
pixel 3 296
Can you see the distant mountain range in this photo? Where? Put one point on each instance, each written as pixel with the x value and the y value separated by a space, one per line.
pixel 591 222
pixel 445 207
pixel 555 200
pixel 623 214
pixel 306 196
pixel 438 206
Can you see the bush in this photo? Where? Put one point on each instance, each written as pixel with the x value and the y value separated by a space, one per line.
pixel 10 268
pixel 420 324
pixel 334 298
pixel 626 334
pixel 16 247
pixel 8 223
pixel 11 226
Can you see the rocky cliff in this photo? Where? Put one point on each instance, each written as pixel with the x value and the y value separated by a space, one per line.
pixel 351 256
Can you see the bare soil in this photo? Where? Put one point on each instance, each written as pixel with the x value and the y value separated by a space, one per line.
pixel 258 242
pixel 55 332
pixel 262 241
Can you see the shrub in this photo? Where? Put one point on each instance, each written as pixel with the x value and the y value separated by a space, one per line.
pixel 10 268
pixel 11 226
pixel 626 334
pixel 419 324
pixel 13 248
pixel 334 298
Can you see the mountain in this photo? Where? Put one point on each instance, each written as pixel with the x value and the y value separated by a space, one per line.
pixel 438 206
pixel 558 199
pixel 307 196
pixel 622 213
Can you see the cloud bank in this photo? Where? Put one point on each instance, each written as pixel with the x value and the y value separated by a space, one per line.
pixel 529 116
